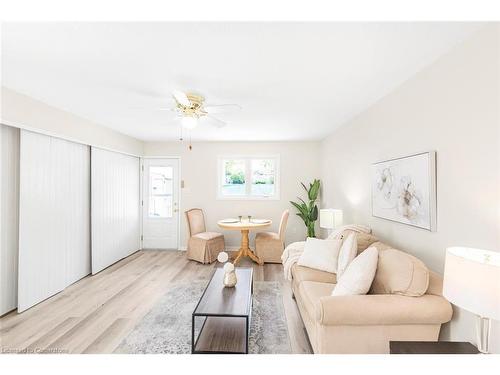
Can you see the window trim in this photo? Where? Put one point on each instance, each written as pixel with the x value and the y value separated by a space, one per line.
pixel 248 196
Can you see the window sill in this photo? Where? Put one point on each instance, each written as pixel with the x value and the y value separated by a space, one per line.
pixel 248 198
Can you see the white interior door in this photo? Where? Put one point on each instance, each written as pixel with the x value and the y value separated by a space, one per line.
pixel 161 204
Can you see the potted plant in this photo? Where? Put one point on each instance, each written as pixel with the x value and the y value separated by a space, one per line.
pixel 309 211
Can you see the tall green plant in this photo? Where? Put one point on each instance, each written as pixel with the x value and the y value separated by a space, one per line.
pixel 309 211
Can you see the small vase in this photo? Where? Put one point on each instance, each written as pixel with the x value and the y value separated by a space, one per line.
pixel 230 279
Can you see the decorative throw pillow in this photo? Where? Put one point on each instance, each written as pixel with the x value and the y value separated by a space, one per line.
pixel 400 273
pixel 358 276
pixel 347 253
pixel 365 240
pixel 320 254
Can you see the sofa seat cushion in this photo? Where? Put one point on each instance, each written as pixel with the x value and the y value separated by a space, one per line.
pixel 207 235
pixel 301 273
pixel 311 293
pixel 400 273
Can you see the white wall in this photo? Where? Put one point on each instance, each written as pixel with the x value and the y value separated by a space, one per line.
pixel 22 111
pixel 298 162
pixel 9 216
pixel 452 107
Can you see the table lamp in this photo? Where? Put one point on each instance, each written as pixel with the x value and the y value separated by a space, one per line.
pixel 330 218
pixel 472 282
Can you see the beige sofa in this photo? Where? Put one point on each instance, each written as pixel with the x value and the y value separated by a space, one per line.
pixel 366 323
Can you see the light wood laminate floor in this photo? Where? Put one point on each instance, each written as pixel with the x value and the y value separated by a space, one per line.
pixel 96 313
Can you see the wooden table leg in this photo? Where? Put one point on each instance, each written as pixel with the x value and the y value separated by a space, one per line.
pixel 239 254
pixel 254 257
pixel 245 250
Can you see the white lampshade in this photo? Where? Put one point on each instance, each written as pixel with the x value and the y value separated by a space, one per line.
pixel 330 218
pixel 472 280
pixel 189 122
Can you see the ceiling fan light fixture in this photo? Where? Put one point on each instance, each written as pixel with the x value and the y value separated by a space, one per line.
pixel 189 122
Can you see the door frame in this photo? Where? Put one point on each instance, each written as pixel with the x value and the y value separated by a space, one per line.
pixel 179 186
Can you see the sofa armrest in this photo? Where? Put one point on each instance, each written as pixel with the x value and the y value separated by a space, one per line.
pixel 383 309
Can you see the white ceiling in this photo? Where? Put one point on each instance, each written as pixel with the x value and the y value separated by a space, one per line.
pixel 295 81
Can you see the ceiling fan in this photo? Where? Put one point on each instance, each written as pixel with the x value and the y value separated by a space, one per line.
pixel 191 109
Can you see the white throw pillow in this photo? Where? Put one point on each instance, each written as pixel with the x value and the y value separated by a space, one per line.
pixel 358 277
pixel 320 254
pixel 347 253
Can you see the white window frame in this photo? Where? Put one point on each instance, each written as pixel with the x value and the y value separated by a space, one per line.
pixel 248 170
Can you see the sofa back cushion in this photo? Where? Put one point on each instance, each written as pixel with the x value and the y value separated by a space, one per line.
pixel 435 284
pixel 364 240
pixel 399 273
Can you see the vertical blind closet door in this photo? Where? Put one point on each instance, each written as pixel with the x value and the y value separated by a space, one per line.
pixel 54 216
pixel 115 207
pixel 9 198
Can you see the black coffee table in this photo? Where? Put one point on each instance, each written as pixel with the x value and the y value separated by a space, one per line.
pixel 224 315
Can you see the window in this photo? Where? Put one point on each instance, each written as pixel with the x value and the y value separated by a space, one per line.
pixel 244 177
pixel 160 191
pixel 234 181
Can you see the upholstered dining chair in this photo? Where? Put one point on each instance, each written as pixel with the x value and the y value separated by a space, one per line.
pixel 202 246
pixel 269 245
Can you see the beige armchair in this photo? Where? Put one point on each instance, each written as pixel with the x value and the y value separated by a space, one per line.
pixel 203 246
pixel 268 245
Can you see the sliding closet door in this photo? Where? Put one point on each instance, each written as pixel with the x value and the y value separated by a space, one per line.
pixel 9 198
pixel 115 206
pixel 54 216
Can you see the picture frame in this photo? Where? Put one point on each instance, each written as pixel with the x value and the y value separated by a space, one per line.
pixel 403 190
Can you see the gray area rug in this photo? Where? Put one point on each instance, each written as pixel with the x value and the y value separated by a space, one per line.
pixel 167 327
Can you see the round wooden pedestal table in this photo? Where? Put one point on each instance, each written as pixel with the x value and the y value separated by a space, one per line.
pixel 244 227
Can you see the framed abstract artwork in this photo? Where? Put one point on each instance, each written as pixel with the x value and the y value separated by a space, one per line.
pixel 404 190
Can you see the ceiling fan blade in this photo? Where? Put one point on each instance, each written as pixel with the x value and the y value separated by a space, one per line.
pixel 181 98
pixel 222 108
pixel 152 108
pixel 215 121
